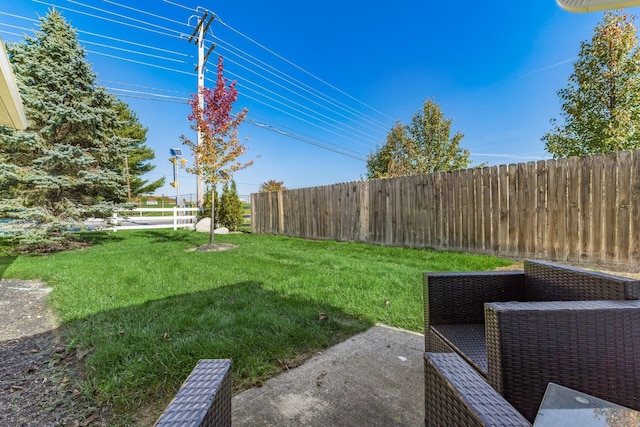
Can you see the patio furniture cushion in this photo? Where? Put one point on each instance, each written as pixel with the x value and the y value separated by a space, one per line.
pixel 469 341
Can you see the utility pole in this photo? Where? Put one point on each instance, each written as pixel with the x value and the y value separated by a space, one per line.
pixel 204 23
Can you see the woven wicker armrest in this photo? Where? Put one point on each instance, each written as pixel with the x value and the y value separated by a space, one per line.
pixel 455 395
pixel 546 281
pixel 458 298
pixel 204 400
pixel 591 346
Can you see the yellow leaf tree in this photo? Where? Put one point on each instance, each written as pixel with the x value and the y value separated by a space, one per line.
pixel 216 157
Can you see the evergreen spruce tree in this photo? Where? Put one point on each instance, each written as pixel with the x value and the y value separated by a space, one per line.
pixel 236 212
pixel 206 204
pixel 231 212
pixel 68 164
pixel 137 162
pixel 223 206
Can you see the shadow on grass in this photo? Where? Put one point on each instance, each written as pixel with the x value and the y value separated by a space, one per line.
pixel 100 237
pixel 155 236
pixel 142 354
pixel 5 262
pixel 166 236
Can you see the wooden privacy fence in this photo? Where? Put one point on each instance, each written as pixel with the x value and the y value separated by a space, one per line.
pixel 579 210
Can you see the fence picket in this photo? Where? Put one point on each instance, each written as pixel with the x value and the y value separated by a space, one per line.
pixel 573 209
pixel 624 205
pixel 610 208
pixel 503 188
pixel 634 250
pixel 561 209
pixel 586 218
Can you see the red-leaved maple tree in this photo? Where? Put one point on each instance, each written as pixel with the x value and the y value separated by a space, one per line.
pixel 216 157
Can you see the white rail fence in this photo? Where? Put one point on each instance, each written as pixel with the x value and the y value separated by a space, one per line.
pixel 135 220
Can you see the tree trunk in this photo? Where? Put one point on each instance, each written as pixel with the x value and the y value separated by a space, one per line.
pixel 213 216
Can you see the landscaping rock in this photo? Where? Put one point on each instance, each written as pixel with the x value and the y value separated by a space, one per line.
pixel 204 225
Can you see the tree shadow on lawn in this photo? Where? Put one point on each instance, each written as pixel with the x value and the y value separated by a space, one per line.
pixel 172 236
pixel 5 263
pixel 100 237
pixel 140 355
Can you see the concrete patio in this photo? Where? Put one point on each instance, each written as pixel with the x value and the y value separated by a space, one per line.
pixel 375 378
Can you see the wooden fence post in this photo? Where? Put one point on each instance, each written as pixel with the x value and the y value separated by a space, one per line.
pixel 364 211
pixel 280 213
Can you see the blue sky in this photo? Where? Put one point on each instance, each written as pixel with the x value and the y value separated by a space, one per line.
pixel 325 81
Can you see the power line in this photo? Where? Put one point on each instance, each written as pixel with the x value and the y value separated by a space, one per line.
pixel 156 95
pixel 106 19
pixel 105 45
pixel 269 80
pixel 305 113
pixel 272 128
pixel 119 15
pixel 301 85
pixel 295 117
pixel 326 146
pixel 146 12
pixel 17 28
pixel 146 46
pixel 179 5
pixel 165 98
pixel 136 44
pixel 330 100
pixel 145 87
pixel 18 16
pixel 300 68
pixel 148 98
pixel 243 79
pixel 147 23
pixel 141 62
pixel 11 33
pixel 136 52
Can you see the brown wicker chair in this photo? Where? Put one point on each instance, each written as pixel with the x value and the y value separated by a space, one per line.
pixel 529 338
pixel 204 400
pixel 591 346
pixel 456 395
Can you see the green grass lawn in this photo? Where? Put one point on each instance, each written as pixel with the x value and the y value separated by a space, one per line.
pixel 146 309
